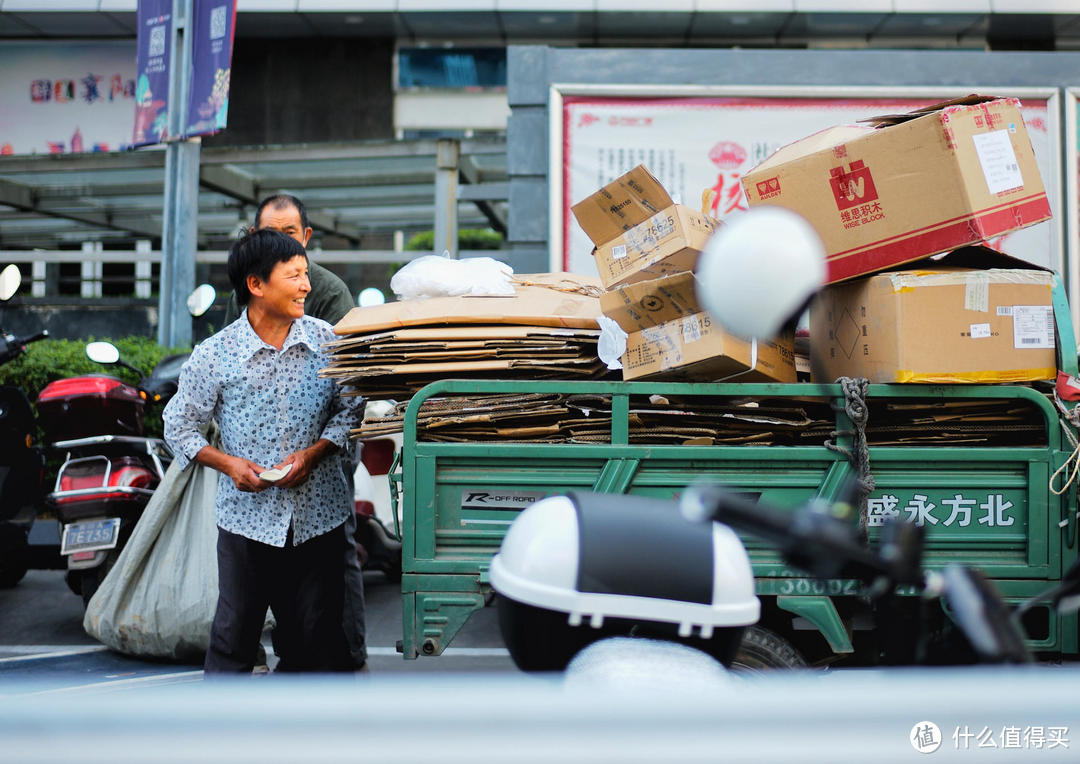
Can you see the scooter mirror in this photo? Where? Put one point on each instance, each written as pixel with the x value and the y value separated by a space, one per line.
pixel 201 300
pixel 10 278
pixel 370 296
pixel 102 352
pixel 759 270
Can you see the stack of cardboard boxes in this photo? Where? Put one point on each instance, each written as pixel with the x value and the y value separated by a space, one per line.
pixel 646 249
pixel 943 178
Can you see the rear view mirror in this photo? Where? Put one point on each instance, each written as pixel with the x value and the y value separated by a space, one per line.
pixel 10 278
pixel 201 300
pixel 102 352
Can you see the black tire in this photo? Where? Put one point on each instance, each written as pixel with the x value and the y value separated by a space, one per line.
pixel 14 555
pixel 764 650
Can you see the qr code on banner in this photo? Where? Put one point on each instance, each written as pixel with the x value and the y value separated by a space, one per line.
pixel 217 23
pixel 157 41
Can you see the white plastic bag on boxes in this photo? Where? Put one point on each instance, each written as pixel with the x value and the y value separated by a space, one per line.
pixel 612 343
pixel 435 276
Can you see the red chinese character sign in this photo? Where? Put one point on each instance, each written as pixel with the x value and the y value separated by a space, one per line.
pixel 152 59
pixel 704 143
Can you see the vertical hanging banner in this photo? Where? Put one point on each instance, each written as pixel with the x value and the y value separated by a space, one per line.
pixel 212 44
pixel 152 59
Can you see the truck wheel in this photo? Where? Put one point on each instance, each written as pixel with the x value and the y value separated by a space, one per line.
pixel 764 650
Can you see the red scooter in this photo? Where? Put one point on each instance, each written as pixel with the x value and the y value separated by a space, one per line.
pixel 110 467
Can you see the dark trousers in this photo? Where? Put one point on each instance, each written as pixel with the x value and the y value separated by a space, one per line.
pixel 355 631
pixel 304 587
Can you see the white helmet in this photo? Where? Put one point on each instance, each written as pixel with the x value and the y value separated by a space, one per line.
pixel 759 269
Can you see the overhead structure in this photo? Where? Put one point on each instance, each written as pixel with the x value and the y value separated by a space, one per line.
pixel 350 189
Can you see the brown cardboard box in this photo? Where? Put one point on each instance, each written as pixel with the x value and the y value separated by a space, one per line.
pixel 694 349
pixel 950 175
pixel 937 324
pixel 547 299
pixel 639 232
pixel 670 337
pixel 651 303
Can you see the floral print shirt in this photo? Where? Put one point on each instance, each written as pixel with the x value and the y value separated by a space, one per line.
pixel 268 403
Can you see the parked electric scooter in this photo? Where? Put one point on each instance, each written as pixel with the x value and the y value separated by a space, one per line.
pixel 22 463
pixel 111 468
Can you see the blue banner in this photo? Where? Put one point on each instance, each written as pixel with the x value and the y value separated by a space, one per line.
pixel 153 41
pixel 211 56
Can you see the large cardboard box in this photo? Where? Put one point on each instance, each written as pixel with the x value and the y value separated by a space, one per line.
pixel 937 179
pixel 694 349
pixel 937 323
pixel 670 337
pixel 650 303
pixel 639 232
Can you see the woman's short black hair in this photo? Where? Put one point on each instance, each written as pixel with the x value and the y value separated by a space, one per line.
pixel 256 254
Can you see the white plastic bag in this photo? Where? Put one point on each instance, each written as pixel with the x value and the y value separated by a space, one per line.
pixel 611 345
pixel 159 598
pixel 435 276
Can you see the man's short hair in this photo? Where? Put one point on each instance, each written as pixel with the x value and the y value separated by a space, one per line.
pixel 280 202
pixel 256 254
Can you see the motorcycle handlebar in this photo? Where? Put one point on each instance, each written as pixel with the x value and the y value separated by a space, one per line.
pixel 811 538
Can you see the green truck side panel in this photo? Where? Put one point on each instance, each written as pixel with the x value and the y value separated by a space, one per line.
pixel 986 507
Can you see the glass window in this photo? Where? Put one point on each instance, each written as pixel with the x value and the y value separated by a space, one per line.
pixel 451 68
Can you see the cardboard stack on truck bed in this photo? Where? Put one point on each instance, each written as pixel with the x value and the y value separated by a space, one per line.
pixel 646 250
pixel 546 330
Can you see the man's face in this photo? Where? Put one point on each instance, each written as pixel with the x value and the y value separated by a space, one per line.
pixel 286 220
pixel 282 294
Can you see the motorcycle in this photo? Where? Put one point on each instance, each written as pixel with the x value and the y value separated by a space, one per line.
pixel 110 467
pixel 22 462
pixel 577 570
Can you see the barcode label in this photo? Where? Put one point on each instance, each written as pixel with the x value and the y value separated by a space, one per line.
pixel 1033 326
pixel 619 252
pixel 1004 310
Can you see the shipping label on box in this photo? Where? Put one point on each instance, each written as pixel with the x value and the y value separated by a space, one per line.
pixel 694 349
pixel 954 175
pixel 957 326
pixel 665 244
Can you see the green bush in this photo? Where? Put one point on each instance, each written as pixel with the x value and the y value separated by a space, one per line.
pixel 49 360
pixel 468 238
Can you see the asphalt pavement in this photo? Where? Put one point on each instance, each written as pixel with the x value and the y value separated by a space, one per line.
pixel 42 641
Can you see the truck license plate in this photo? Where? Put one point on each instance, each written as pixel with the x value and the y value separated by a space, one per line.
pixel 90 535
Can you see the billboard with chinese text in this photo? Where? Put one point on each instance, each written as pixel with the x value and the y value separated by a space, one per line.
pixel 692 144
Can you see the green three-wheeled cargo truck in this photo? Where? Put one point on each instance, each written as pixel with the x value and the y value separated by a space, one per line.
pixel 988 491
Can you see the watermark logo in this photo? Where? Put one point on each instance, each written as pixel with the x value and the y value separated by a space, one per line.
pixel 925 737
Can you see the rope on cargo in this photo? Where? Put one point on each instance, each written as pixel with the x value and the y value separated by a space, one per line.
pixel 1073 418
pixel 566 285
pixel 855 393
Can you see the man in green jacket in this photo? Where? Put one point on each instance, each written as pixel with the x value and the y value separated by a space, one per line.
pixel 329 299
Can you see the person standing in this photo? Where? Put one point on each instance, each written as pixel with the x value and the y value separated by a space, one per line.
pixel 329 300
pixel 278 541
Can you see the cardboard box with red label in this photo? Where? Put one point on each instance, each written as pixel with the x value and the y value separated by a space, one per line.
pixel 918 184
